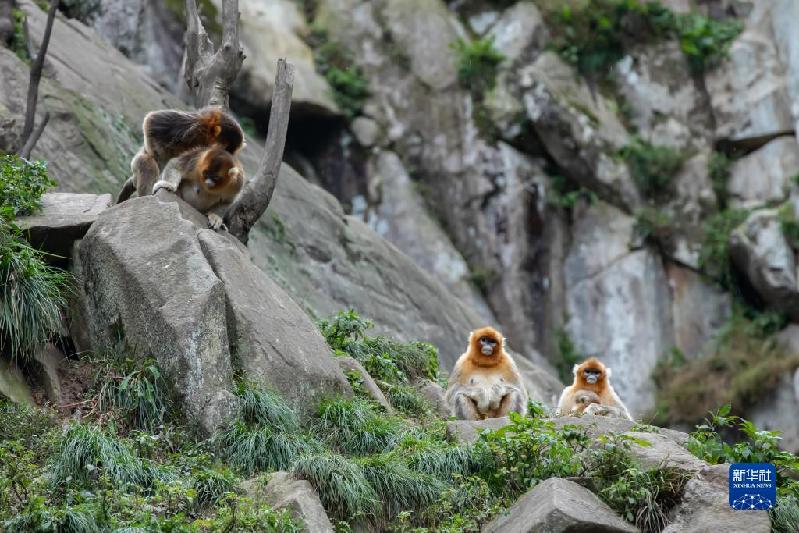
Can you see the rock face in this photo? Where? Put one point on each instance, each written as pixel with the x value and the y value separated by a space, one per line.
pixel 618 302
pixel 12 383
pixel 558 505
pixel 760 250
pixel 157 288
pixel 284 492
pixel 705 507
pixel 62 219
pixel 349 364
pixel 764 176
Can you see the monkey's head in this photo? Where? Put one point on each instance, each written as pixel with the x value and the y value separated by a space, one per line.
pixel 487 342
pixel 219 168
pixel 591 372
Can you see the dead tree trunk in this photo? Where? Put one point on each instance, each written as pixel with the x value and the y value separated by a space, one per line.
pixel 30 137
pixel 257 193
pixel 209 75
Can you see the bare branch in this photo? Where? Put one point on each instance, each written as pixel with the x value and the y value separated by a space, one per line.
pixel 26 150
pixel 35 78
pixel 257 193
pixel 210 74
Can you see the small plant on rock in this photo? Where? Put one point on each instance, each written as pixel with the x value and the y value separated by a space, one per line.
pixel 477 64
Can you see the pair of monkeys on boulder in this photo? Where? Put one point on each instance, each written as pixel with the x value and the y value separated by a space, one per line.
pixel 486 383
pixel 198 152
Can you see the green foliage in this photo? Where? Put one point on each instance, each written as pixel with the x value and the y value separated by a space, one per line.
pixel 569 355
pixel 642 497
pixel 350 87
pixel 561 194
pixel 789 224
pixel 595 34
pixel 211 486
pixel 652 167
pixel 719 172
pixel 19 38
pixel 478 61
pixel 356 426
pixel 744 362
pixel 133 390
pixel 653 223
pixel 344 328
pixel 32 294
pixel 22 184
pixel 408 400
pixel 785 517
pixel 261 406
pixel 714 256
pixel 340 482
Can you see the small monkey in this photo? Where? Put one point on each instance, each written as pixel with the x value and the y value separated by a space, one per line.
pixel 485 382
pixel 593 377
pixel 169 133
pixel 582 400
pixel 208 179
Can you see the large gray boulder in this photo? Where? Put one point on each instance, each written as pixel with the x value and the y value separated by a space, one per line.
pixel 749 91
pixel 618 303
pixel 558 506
pixel 143 275
pixel 595 426
pixel 273 340
pixel 12 383
pixel 764 176
pixel 62 219
pixel 705 507
pixel 284 492
pixel 761 252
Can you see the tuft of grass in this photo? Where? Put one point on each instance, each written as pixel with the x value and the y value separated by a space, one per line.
pixel 478 61
pixel 33 295
pixel 261 406
pixel 563 195
pixel 785 516
pixel 408 400
pixel 653 223
pixel 137 395
pixel 19 38
pixel 714 255
pixel 86 452
pixel 211 486
pixel 355 426
pixel 350 87
pixel 652 167
pixel 719 171
pixel 340 482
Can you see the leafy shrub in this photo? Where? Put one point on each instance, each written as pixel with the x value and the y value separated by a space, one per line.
pixel 133 389
pixel 477 64
pixel 714 256
pixel 653 223
pixel 32 294
pixel 562 195
pixel 594 35
pixel 211 486
pixel 719 172
pixel 356 427
pixel 785 516
pixel 22 184
pixel 350 88
pixel 652 167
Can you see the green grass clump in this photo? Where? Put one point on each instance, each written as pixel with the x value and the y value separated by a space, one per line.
pixel 789 224
pixel 356 426
pixel 785 516
pixel 340 482
pixel 714 256
pixel 134 391
pixel 211 486
pixel 478 62
pixel 563 195
pixel 653 223
pixel 19 38
pixel 595 34
pixel 652 167
pixel 408 400
pixel 347 82
pixel 87 451
pixel 261 406
pixel 719 171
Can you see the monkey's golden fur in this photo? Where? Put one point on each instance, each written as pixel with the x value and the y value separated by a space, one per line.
pixel 208 179
pixel 169 133
pixel 601 388
pixel 485 385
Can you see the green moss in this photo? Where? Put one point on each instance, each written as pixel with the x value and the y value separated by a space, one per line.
pixel 714 256
pixel 350 87
pixel 652 167
pixel 478 62
pixel 563 194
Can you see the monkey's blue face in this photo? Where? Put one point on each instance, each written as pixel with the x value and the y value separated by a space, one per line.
pixel 592 375
pixel 487 345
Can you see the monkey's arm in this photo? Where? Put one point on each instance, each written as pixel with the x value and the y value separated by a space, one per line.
pixel 515 400
pixel 565 402
pixel 216 215
pixel 170 177
pixel 463 406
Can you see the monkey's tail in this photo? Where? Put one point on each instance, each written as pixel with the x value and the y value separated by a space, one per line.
pixel 127 190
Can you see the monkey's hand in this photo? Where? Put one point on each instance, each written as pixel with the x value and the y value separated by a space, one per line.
pixel 215 222
pixel 162 184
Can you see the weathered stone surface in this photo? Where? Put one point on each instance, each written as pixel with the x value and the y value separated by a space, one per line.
pixel 705 507
pixel 599 425
pixel 272 30
pixel 143 273
pixel 558 506
pixel 284 492
pixel 666 105
pixel 618 303
pixel 579 128
pixel 748 91
pixel 784 20
pixel 435 394
pixel 402 219
pixel 348 364
pixel 50 359
pixel 764 176
pixel 541 383
pixel 698 309
pixel 275 342
pixel 777 409
pixel 761 252
pixel 662 451
pixel 518 29
pixel 367 132
pixel 62 219
pixel 466 431
pixel 12 383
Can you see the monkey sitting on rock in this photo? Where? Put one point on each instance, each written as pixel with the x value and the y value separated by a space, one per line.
pixel 592 393
pixel 485 382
